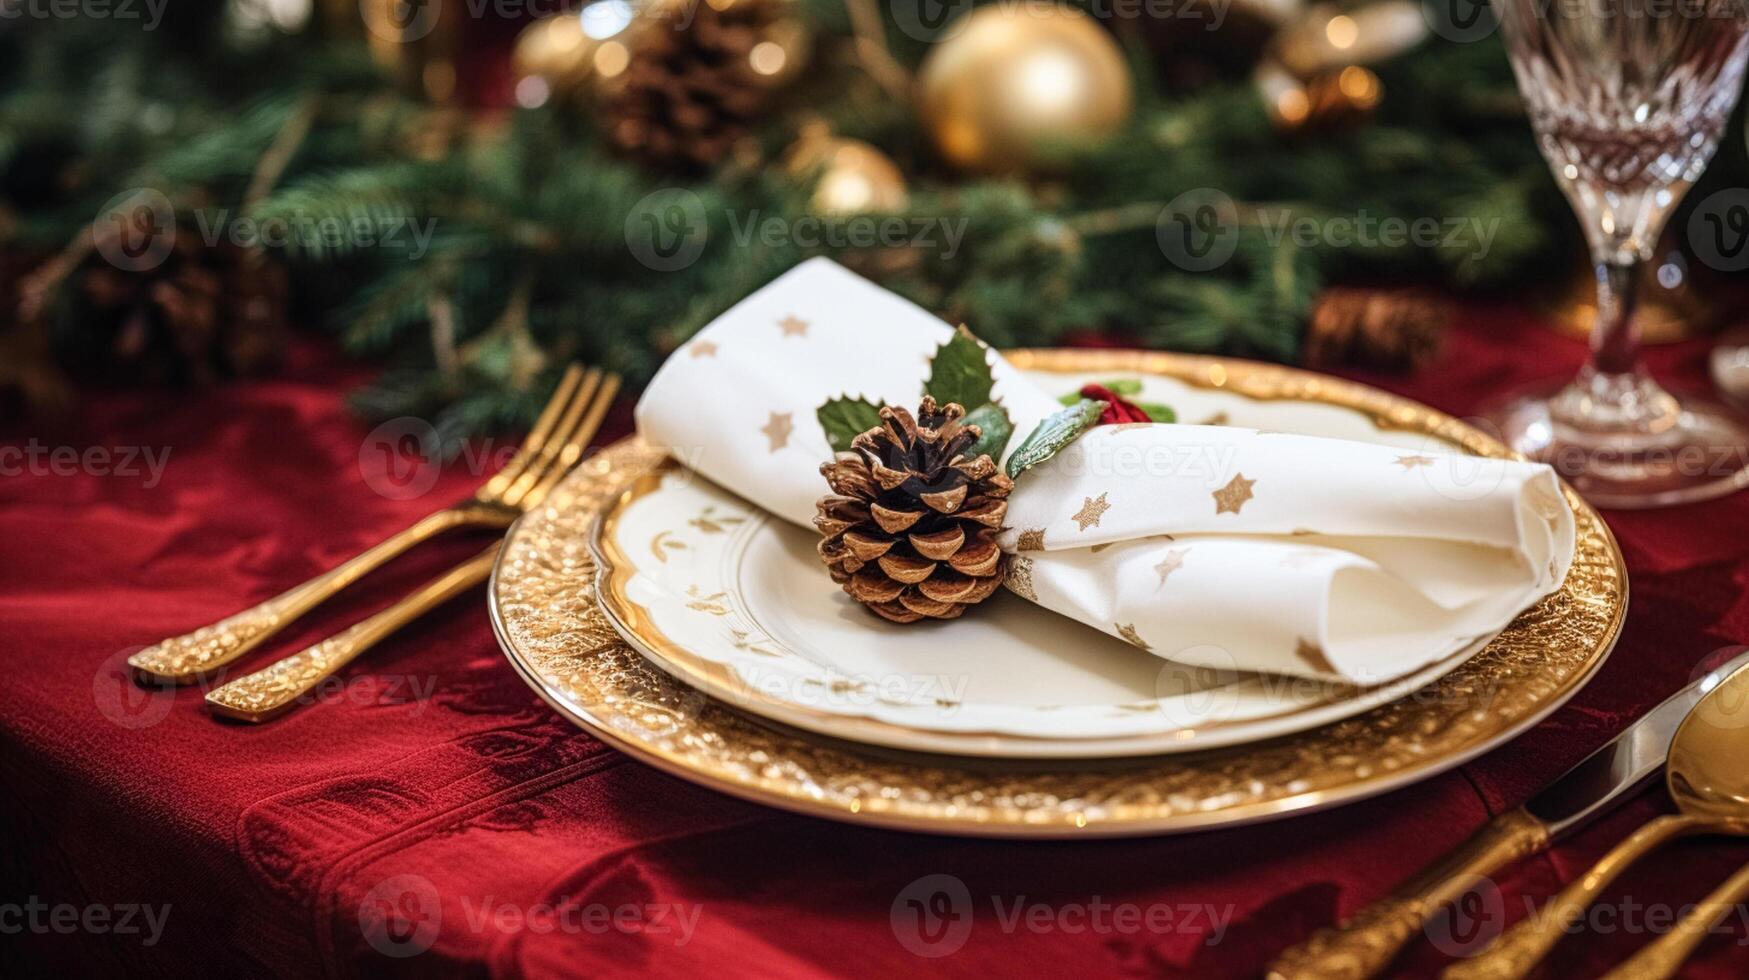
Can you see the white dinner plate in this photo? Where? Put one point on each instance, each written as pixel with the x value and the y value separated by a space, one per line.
pixel 737 605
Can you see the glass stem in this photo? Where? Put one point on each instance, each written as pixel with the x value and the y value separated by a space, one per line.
pixel 1615 339
pixel 1613 398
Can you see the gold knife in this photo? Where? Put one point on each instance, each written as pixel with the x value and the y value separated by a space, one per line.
pixel 1365 944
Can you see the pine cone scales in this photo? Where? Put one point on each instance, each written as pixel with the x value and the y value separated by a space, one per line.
pixel 690 92
pixel 910 528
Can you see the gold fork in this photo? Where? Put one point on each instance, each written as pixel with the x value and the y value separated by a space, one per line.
pixel 552 447
pixel 278 687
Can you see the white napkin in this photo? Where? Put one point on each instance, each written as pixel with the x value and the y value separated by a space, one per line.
pixel 1216 546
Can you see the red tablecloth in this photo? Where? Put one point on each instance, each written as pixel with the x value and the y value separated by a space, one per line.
pixel 510 842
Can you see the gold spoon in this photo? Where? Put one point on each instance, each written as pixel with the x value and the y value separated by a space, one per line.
pixel 1710 784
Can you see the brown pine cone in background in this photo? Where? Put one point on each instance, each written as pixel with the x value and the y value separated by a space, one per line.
pixel 690 91
pixel 205 312
pixel 910 528
pixel 1388 329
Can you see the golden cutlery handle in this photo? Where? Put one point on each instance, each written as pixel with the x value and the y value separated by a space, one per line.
pixel 1524 945
pixel 1665 955
pixel 1365 944
pixel 277 688
pixel 188 658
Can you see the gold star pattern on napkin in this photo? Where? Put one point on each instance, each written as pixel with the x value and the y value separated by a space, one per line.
pixel 1019 579
pixel 793 326
pixel 1173 561
pixel 778 429
pixel 1091 511
pixel 1231 497
pixel 1411 462
pixel 1032 539
pixel 1130 636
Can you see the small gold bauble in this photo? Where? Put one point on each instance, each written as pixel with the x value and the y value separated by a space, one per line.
pixel 1019 88
pixel 554 52
pixel 850 177
pixel 1326 38
pixel 565 54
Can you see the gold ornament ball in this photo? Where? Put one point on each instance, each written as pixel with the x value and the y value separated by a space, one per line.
pixel 1019 87
pixel 850 176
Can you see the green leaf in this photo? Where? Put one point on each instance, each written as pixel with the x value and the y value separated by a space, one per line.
pixel 1054 434
pixel 845 418
pixel 1158 412
pixel 995 427
pixel 960 372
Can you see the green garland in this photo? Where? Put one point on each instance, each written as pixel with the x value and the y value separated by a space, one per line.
pixel 532 254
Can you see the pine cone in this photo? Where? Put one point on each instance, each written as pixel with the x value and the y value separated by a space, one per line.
pixel 203 313
pixel 1391 329
pixel 910 528
pixel 690 92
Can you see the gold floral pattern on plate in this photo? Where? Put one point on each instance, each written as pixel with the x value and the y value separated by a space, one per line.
pixel 544 609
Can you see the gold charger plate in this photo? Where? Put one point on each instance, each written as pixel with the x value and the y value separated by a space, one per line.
pixel 547 619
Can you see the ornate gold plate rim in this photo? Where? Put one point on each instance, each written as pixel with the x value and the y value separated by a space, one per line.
pixel 543 609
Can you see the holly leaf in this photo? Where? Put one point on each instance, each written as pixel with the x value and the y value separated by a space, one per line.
pixel 960 372
pixel 1158 412
pixel 995 427
pixel 1054 434
pixel 844 418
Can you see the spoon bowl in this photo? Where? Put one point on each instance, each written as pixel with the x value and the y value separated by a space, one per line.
pixel 1706 773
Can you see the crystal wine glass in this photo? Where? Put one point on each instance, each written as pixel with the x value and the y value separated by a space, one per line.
pixel 1627 98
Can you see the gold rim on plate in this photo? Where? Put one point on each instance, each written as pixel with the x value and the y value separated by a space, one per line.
pixel 547 618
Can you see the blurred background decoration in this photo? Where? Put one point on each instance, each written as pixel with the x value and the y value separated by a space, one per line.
pixel 476 192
